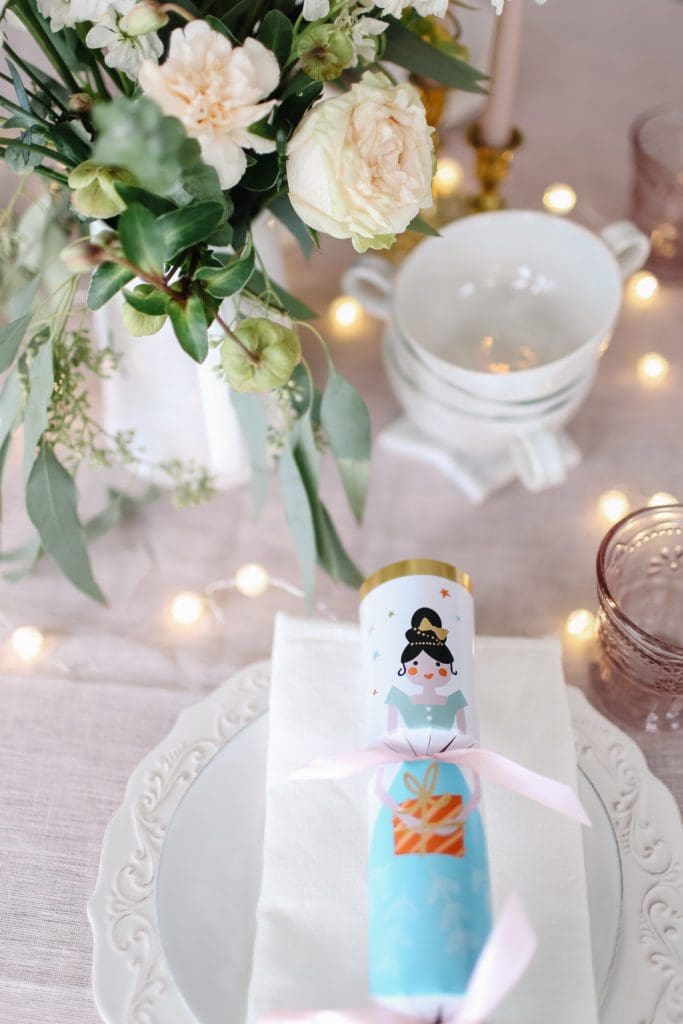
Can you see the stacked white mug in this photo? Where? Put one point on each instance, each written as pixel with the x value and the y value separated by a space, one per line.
pixel 495 330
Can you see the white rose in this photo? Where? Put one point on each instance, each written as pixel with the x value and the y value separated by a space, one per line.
pixel 360 165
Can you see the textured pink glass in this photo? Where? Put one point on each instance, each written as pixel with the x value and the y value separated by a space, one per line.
pixel 640 618
pixel 657 199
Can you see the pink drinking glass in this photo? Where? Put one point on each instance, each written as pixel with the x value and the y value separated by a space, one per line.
pixel 640 618
pixel 657 196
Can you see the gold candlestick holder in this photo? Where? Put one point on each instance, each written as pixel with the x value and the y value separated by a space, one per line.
pixel 492 168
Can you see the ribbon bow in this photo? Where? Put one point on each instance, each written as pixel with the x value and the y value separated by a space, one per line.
pixel 426 626
pixel 507 953
pixel 396 748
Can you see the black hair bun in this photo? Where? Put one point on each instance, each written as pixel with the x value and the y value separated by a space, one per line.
pixel 415 635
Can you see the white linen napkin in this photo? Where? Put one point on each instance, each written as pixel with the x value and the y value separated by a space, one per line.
pixel 310 949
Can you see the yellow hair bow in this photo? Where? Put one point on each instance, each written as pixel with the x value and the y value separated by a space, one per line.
pixel 426 625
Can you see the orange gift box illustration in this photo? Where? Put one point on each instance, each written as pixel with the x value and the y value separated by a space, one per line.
pixel 436 831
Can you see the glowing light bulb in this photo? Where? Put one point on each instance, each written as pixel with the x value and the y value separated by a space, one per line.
pixel 580 624
pixel 448 177
pixel 346 312
pixel 252 580
pixel 613 505
pixel 559 198
pixel 187 608
pixel 662 498
pixel 652 368
pixel 27 643
pixel 642 287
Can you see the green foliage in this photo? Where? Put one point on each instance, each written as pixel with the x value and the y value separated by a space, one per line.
pixel 142 239
pixel 189 323
pixel 11 338
pixel 52 507
pixel 282 208
pixel 40 383
pixel 299 518
pixel 181 229
pixel 134 134
pixel 253 421
pixel 105 282
pixel 346 422
pixel 229 277
pixel 275 32
pixel 407 49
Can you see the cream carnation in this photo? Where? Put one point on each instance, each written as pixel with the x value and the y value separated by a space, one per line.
pixel 216 90
pixel 359 165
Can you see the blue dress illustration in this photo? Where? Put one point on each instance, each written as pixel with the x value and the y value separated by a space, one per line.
pixel 429 911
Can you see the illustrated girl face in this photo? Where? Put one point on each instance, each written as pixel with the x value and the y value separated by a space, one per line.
pixel 425 670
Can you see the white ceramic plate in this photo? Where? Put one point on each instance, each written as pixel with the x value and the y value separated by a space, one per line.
pixel 173 911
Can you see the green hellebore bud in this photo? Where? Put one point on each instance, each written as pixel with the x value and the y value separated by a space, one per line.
pixel 324 52
pixel 146 16
pixel 140 325
pixel 94 192
pixel 80 102
pixel 82 256
pixel 275 352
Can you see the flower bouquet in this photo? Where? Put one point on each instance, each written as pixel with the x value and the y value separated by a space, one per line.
pixel 163 130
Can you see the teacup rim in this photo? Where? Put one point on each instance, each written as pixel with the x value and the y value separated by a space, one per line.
pixel 479 376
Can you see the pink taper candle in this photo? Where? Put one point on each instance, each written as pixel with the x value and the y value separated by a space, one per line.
pixel 498 120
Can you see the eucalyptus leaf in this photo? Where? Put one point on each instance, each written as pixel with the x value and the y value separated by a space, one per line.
pixel 19 87
pixel 346 422
pixel 105 282
pixel 40 384
pixel 222 282
pixel 300 519
pixel 10 405
pixel 331 552
pixel 329 548
pixel 253 420
pixel 142 239
pixel 407 49
pixel 189 324
pixel 51 505
pixel 279 297
pixel 11 337
pixel 192 224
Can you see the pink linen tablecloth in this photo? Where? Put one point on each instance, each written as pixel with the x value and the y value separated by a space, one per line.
pixel 112 682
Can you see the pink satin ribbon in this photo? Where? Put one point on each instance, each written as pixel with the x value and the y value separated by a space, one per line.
pixel 397 749
pixel 508 951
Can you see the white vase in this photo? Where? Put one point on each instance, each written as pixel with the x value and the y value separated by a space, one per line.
pixel 178 410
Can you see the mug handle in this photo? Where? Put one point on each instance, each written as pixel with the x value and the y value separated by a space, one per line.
pixel 629 245
pixel 539 459
pixel 371 281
